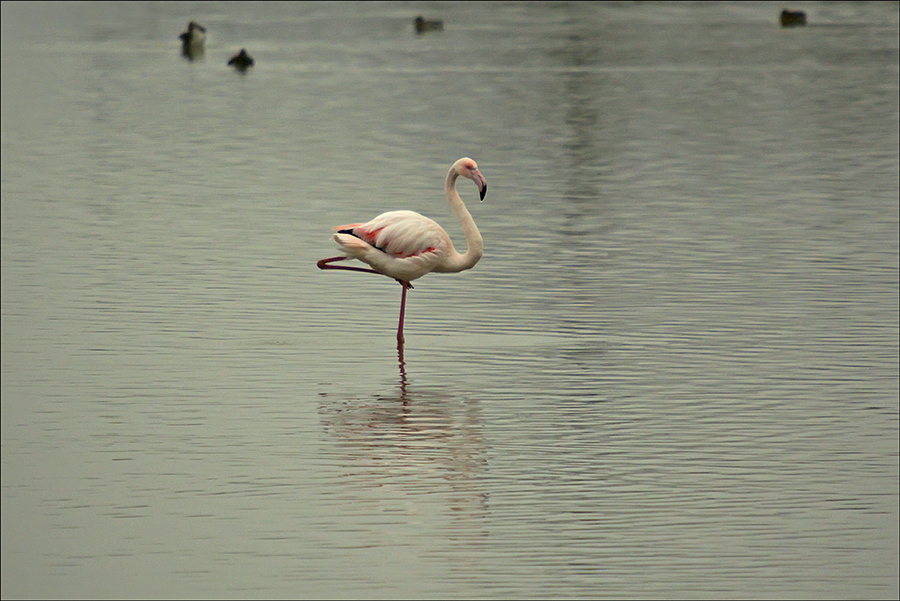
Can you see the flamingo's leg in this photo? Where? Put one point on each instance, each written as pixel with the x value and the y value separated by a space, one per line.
pixel 325 264
pixel 400 340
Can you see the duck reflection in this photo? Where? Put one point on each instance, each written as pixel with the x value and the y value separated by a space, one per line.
pixel 414 440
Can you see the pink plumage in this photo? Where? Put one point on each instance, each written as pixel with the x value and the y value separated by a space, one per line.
pixel 405 245
pixel 400 233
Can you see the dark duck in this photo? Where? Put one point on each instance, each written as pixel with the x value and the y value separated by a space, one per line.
pixel 793 18
pixel 241 61
pixel 192 40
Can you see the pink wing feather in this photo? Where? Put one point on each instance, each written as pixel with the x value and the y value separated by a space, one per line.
pixel 400 234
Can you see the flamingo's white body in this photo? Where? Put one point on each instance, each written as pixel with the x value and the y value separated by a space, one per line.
pixel 405 245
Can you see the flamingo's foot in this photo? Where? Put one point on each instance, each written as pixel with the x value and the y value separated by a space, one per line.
pixel 323 263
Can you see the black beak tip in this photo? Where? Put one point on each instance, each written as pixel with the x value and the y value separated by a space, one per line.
pixel 483 191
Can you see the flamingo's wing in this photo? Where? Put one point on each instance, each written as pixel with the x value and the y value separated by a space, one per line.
pixel 400 234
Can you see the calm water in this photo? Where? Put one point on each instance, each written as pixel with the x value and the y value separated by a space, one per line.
pixel 674 374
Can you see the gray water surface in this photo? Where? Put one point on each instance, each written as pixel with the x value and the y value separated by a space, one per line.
pixel 674 374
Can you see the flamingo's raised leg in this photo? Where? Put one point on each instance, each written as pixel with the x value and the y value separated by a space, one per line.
pixel 326 264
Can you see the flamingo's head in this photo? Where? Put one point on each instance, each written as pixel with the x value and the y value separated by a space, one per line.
pixel 466 167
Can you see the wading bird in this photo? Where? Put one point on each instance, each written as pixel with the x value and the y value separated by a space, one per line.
pixel 405 245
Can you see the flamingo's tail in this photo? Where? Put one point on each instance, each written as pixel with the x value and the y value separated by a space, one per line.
pixel 351 242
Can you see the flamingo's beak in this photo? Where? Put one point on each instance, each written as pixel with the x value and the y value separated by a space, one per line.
pixel 479 181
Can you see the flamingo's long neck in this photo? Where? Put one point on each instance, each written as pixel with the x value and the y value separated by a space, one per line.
pixel 474 242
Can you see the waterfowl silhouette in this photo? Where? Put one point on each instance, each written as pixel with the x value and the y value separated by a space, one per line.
pixel 241 61
pixel 192 40
pixel 422 24
pixel 793 18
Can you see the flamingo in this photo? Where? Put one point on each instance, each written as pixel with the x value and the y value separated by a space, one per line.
pixel 405 245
